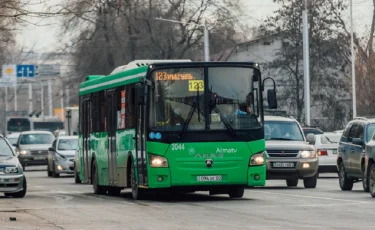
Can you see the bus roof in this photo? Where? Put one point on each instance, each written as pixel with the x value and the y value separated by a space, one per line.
pixel 130 73
pixel 112 80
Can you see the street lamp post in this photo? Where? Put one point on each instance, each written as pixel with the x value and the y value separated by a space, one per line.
pixel 205 34
pixel 306 66
pixel 353 61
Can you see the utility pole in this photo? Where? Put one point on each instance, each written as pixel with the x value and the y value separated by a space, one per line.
pixel 205 34
pixel 354 96
pixel 306 64
pixel 50 105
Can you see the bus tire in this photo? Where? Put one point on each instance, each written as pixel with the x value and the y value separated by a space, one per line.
pixel 98 189
pixel 236 192
pixel 76 177
pixel 137 193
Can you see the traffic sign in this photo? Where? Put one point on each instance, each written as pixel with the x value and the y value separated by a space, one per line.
pixel 48 70
pixel 25 70
pixel 9 76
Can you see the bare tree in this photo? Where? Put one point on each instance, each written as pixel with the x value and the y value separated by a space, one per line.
pixel 116 32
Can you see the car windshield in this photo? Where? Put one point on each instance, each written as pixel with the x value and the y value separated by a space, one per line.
pixel 34 139
pixel 5 148
pixel 370 132
pixel 67 144
pixel 282 130
pixel 330 138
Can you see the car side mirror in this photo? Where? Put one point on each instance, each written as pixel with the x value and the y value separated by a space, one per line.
pixel 51 149
pixel 357 141
pixel 140 94
pixel 271 98
pixel 15 145
pixel 310 138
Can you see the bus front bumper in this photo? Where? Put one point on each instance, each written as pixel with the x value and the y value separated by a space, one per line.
pixel 161 178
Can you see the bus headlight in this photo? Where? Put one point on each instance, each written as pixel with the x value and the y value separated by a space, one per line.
pixel 257 159
pixel 308 154
pixel 158 161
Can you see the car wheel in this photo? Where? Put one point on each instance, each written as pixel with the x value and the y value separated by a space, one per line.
pixel 236 192
pixel 49 174
pixel 98 189
pixel 365 183
pixel 292 182
pixel 137 193
pixel 310 182
pixel 19 194
pixel 54 174
pixel 372 181
pixel 76 177
pixel 346 184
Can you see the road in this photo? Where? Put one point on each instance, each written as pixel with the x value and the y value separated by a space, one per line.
pixel 58 203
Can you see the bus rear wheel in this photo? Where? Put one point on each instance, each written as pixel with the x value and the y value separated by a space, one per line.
pixel 137 193
pixel 236 192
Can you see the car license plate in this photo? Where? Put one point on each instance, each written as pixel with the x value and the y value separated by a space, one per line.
pixel 208 178
pixel 39 158
pixel 283 165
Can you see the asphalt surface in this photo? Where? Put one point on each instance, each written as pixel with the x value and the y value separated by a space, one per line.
pixel 58 203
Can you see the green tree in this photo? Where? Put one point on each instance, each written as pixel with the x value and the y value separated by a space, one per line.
pixel 327 55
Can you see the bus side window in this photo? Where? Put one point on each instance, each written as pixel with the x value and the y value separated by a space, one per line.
pixel 130 107
pixel 102 112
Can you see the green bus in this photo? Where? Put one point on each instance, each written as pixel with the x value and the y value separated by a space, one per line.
pixel 173 125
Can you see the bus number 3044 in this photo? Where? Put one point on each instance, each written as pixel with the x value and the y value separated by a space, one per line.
pixel 178 147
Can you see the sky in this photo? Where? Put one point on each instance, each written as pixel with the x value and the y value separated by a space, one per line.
pixel 46 37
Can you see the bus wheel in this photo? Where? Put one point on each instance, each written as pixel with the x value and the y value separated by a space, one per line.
pixel 98 189
pixel 137 193
pixel 236 192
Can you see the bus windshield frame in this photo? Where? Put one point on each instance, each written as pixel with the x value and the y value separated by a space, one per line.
pixel 203 98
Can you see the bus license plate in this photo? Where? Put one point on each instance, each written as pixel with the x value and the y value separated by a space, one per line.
pixel 208 178
pixel 283 165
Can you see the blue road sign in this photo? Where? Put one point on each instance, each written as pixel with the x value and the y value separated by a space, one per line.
pixel 25 70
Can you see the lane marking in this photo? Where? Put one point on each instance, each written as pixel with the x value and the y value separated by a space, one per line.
pixel 313 197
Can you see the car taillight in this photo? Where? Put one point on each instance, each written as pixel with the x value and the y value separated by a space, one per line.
pixel 322 153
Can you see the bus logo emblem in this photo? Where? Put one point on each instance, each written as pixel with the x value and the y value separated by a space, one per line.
pixel 209 163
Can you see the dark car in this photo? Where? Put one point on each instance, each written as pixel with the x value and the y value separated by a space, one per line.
pixel 313 130
pixel 351 153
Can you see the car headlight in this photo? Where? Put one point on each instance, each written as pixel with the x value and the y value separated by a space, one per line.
pixel 308 154
pixel 11 170
pixel 23 152
pixel 158 161
pixel 257 159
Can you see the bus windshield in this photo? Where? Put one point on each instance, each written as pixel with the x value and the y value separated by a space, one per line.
pixel 18 125
pixel 180 95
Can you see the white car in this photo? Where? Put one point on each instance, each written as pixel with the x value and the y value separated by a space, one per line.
pixel 13 138
pixel 326 145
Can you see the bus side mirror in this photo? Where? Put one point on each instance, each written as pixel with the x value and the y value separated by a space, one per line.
pixel 271 98
pixel 140 94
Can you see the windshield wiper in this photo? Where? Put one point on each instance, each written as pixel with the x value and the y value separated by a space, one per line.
pixel 281 139
pixel 225 121
pixel 330 140
pixel 190 115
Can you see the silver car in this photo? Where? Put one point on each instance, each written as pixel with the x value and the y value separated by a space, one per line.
pixel 12 180
pixel 61 156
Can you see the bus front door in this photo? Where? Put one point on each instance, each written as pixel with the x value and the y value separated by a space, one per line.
pixel 86 140
pixel 111 128
pixel 140 131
